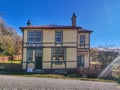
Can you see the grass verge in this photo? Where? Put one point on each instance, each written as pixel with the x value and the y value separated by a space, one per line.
pixel 11 62
pixel 58 76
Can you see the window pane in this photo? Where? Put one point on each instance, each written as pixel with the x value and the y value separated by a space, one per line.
pixel 30 36
pixel 38 53
pixel 31 39
pixel 58 39
pixel 82 39
pixel 31 33
pixel 58 54
pixel 58 33
pixel 34 36
pixel 58 36
pixel 38 40
pixel 80 61
pixel 29 55
pixel 38 33
pixel 38 37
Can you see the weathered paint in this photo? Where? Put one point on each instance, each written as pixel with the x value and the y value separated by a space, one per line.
pixel 71 54
pixel 58 66
pixel 25 36
pixel 71 64
pixel 46 65
pixel 46 54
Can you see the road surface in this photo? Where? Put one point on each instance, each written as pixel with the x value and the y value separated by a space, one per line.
pixel 36 83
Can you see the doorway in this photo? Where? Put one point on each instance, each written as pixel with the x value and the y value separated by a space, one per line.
pixel 80 61
pixel 38 59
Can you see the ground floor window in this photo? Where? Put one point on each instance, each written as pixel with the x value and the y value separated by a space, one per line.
pixel 80 61
pixel 29 55
pixel 58 55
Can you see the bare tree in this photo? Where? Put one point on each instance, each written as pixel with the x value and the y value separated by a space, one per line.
pixel 105 55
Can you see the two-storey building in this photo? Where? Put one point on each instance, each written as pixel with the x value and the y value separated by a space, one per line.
pixel 55 47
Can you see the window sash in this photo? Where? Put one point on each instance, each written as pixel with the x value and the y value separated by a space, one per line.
pixel 80 61
pixel 38 53
pixel 34 36
pixel 29 55
pixel 82 40
pixel 58 54
pixel 58 36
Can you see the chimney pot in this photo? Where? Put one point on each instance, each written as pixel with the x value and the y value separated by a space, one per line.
pixel 29 23
pixel 73 19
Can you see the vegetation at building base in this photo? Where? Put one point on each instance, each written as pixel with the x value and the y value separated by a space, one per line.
pixel 12 62
pixel 10 66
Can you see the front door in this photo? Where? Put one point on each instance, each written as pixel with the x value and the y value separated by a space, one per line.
pixel 38 60
pixel 80 61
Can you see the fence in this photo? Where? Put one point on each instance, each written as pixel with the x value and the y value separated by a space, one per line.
pixel 7 58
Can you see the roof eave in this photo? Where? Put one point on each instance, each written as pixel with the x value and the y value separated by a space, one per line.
pixel 22 28
pixel 88 31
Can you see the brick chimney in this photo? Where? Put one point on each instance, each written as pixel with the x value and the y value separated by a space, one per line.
pixel 28 23
pixel 73 19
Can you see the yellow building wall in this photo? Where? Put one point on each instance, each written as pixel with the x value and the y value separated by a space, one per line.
pixel 71 65
pixel 46 65
pixel 70 35
pixel 47 54
pixel 71 54
pixel 54 66
pixel 72 57
pixel 86 60
pixel 47 57
pixel 25 36
pixel 48 35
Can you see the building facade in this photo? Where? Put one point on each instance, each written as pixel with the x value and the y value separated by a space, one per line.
pixel 55 47
pixel 116 70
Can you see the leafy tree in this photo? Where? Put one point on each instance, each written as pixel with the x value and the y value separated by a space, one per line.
pixel 10 40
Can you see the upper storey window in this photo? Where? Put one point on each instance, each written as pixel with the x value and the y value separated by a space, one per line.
pixel 82 40
pixel 34 36
pixel 58 37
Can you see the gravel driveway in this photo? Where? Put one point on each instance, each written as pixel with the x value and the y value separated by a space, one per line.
pixel 35 83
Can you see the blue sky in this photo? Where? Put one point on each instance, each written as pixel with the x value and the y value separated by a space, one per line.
pixel 101 16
